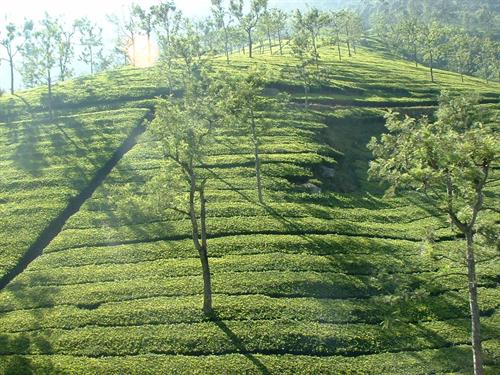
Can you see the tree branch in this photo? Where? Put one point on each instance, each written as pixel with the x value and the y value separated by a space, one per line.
pixel 179 210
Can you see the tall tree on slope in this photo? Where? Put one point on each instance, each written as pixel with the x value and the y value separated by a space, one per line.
pixel 184 129
pixel 449 162
pixel 248 21
pixel 8 43
pixel 245 105
pixel 91 41
pixel 222 21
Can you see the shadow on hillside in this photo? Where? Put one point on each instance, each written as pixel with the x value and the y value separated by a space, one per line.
pixel 240 345
pixel 29 337
pixel 27 154
pixel 43 144
pixel 58 101
pixel 441 360
pixel 120 199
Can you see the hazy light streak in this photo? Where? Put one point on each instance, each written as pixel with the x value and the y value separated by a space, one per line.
pixel 142 52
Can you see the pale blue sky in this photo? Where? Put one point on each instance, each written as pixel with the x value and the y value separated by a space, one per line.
pixel 95 9
pixel 17 10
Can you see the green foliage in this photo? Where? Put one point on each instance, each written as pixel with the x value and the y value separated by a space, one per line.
pixel 91 41
pixel 448 160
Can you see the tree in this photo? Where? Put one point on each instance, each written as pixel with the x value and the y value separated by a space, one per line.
pixel 166 21
pixel 352 27
pixel 248 21
pixel 267 22
pixel 487 59
pixel 260 36
pixel 209 35
pixel 335 23
pixel 222 21
pixel 279 20
pixel 186 46
pixel 91 41
pixel 409 28
pixel 304 51
pixel 39 55
pixel 126 32
pixel 448 162
pixel 244 102
pixel 30 68
pixel 8 43
pixel 382 25
pixel 431 39
pixel 184 128
pixel 144 21
pixel 46 38
pixel 65 51
pixel 461 46
pixel 238 38
pixel 309 25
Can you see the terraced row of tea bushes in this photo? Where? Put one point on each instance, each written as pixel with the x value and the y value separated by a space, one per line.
pixel 231 226
pixel 244 245
pixel 108 217
pixel 289 283
pixel 276 337
pixel 412 363
pixel 342 264
pixel 170 310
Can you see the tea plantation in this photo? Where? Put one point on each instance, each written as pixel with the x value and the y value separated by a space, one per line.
pixel 326 277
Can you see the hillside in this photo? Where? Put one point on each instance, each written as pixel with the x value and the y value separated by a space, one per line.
pixel 330 282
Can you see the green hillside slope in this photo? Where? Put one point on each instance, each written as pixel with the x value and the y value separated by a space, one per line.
pixel 311 282
pixel 45 164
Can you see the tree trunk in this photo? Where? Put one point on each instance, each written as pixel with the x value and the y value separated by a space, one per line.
pixel 279 40
pixel 149 48
pixel 49 85
pixel 202 252
pixel 348 42
pixel 207 283
pixel 474 308
pixel 226 44
pixel 338 46
pixel 306 99
pixel 249 43
pixel 432 68
pixel 415 55
pixel 91 61
pixel 11 64
pixel 269 39
pixel 315 52
pixel 255 141
pixel 134 56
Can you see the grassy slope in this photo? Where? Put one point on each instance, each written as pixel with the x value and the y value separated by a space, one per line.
pixel 45 164
pixel 302 284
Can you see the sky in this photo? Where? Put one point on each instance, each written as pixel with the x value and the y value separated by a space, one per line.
pixel 97 9
pixel 17 10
